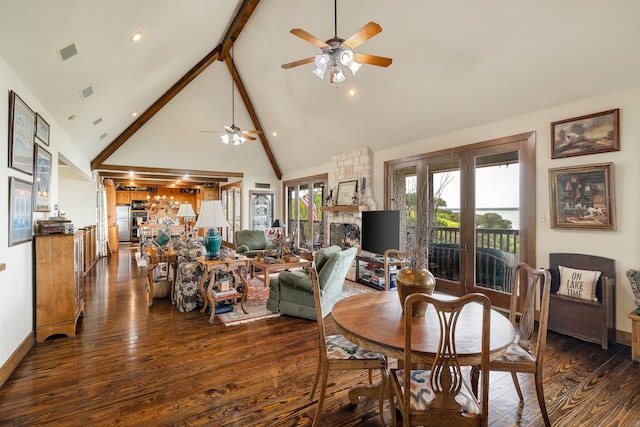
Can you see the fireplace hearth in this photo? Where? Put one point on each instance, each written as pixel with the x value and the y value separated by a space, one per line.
pixel 344 235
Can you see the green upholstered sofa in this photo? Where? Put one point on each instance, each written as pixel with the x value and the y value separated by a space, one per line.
pixel 250 242
pixel 291 292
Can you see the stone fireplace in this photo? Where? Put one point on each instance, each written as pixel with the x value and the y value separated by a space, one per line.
pixel 343 223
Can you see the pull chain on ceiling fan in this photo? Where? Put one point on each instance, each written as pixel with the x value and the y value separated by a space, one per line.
pixel 338 52
pixel 233 134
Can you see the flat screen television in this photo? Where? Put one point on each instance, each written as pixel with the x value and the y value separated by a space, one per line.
pixel 380 231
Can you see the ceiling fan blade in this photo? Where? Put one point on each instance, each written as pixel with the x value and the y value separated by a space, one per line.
pixel 362 35
pixel 246 135
pixel 308 37
pixel 300 62
pixel 228 128
pixel 380 61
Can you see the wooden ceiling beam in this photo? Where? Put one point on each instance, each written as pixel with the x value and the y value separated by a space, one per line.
pixel 155 107
pixel 236 27
pixel 253 115
pixel 168 171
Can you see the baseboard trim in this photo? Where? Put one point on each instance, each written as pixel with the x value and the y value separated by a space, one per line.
pixel 14 360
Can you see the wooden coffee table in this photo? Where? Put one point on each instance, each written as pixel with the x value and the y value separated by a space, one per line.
pixel 272 268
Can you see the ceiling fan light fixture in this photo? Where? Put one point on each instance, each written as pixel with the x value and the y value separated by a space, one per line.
pixel 321 62
pixel 337 76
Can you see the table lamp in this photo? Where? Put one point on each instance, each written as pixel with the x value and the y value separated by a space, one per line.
pixel 212 217
pixel 186 212
pixel 279 225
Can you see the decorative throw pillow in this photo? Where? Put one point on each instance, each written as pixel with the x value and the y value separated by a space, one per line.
pixel 578 283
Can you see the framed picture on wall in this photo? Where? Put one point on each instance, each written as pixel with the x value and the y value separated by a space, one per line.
pixel 21 134
pixel 591 134
pixel 583 197
pixel 42 130
pixel 42 180
pixel 20 222
pixel 346 192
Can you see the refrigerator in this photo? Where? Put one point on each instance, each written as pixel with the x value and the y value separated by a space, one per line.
pixel 123 218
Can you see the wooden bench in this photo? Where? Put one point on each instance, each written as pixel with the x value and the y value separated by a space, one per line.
pixel 588 320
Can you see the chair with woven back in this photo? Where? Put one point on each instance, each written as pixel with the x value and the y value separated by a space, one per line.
pixel 523 355
pixel 338 353
pixel 442 395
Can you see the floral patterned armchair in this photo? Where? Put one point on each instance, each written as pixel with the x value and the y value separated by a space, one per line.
pixel 187 286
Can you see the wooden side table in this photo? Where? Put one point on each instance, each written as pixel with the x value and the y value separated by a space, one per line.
pixel 232 265
pixel 154 258
pixel 635 335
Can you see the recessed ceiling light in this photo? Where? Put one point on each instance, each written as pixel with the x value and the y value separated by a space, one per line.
pixel 135 37
pixel 274 133
pixel 132 173
pixel 352 92
pixel 134 114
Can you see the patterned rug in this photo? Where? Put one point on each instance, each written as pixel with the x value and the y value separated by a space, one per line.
pixel 256 303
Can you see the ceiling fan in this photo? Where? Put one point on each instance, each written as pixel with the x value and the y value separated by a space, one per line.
pixel 233 134
pixel 338 52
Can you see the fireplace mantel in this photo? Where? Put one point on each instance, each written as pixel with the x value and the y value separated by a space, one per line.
pixel 345 209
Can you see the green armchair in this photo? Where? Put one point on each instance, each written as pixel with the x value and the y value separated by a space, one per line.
pixel 250 242
pixel 291 292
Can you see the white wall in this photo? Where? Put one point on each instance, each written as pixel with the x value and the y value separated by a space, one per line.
pixel 623 245
pixel 16 282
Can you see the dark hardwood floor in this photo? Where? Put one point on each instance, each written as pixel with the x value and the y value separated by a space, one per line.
pixel 131 365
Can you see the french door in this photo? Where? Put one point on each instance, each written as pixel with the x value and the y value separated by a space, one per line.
pixel 305 219
pixel 482 216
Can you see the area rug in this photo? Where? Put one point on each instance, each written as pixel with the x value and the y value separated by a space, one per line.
pixel 256 303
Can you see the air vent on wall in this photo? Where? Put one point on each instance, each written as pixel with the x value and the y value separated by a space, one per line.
pixel 86 92
pixel 67 52
pixel 103 136
pixel 262 185
pixel 97 121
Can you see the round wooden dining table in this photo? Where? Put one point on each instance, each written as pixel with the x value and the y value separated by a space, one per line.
pixel 375 321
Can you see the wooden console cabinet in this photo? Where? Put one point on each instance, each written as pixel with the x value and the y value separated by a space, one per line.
pixel 59 262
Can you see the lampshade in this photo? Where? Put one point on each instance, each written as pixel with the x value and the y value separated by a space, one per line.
pixel 277 224
pixel 186 210
pixel 212 217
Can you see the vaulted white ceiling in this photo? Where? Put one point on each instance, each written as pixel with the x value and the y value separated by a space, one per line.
pixel 456 64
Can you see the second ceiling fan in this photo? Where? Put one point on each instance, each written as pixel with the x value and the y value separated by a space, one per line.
pixel 338 52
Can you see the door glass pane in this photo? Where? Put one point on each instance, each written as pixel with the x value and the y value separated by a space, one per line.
pixel 403 198
pixel 303 216
pixel 316 215
pixel 444 239
pixel 497 220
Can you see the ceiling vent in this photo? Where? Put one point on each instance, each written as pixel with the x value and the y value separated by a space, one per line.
pixel 87 92
pixel 97 121
pixel 103 136
pixel 67 52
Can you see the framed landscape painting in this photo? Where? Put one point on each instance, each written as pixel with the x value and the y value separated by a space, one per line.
pixel 583 197
pixel 591 134
pixel 20 198
pixel 21 133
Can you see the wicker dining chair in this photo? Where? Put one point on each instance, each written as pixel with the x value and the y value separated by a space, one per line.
pixel 338 353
